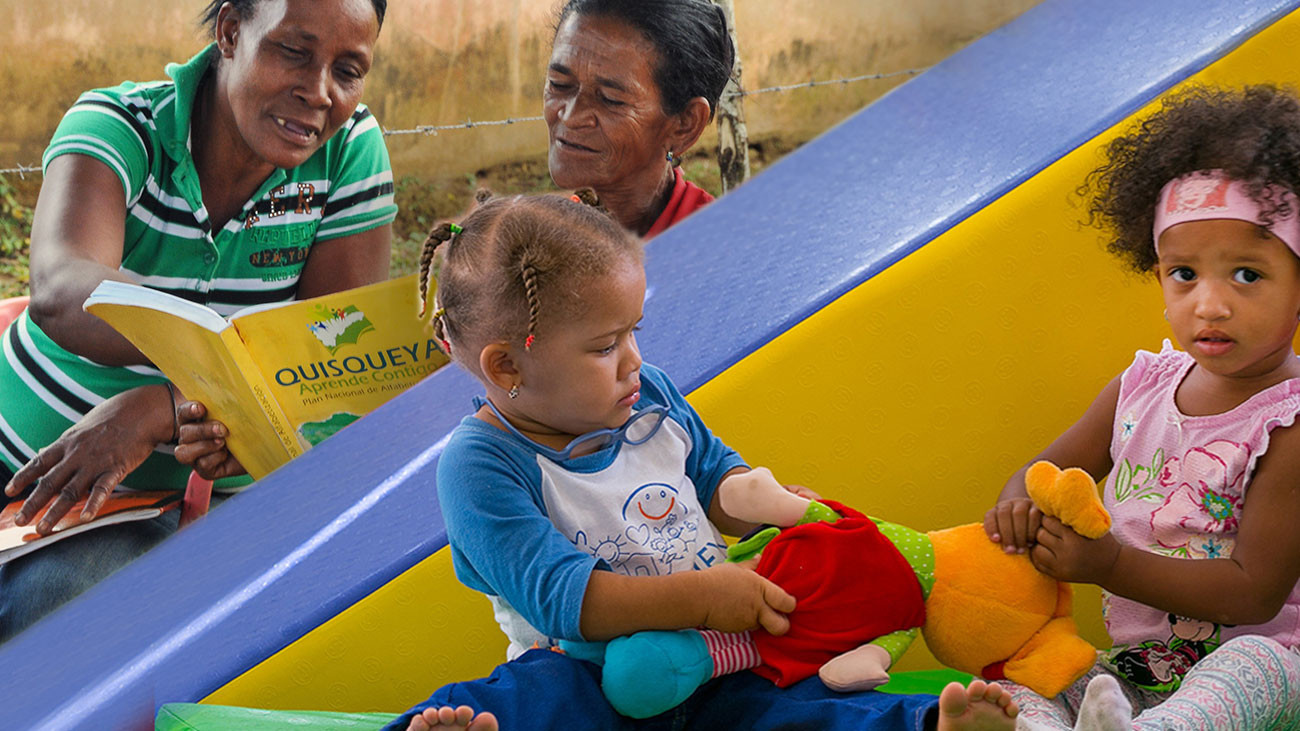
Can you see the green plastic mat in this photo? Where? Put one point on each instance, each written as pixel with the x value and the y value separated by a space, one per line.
pixel 923 681
pixel 200 717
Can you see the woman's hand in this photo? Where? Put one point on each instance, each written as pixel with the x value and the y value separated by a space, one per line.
pixel 1067 556
pixel 202 443
pixel 739 600
pixel 94 455
pixel 1014 523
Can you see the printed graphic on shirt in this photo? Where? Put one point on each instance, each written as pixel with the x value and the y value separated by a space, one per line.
pixel 1160 665
pixel 1127 426
pixel 1139 482
pixel 281 200
pixel 280 256
pixel 661 527
pixel 1199 495
pixel 618 551
pixel 1199 517
pixel 659 531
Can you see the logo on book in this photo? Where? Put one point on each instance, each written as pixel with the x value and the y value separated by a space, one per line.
pixel 338 327
pixel 316 432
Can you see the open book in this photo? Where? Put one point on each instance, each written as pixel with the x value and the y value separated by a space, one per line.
pixel 121 507
pixel 283 377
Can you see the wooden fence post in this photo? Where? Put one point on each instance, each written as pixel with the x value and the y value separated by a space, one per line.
pixel 733 137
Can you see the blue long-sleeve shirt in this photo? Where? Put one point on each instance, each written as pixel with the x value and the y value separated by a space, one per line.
pixel 528 531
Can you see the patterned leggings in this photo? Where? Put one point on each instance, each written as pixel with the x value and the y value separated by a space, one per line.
pixel 1248 683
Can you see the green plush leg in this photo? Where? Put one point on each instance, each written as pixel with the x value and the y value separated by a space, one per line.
pixel 742 551
pixel 650 672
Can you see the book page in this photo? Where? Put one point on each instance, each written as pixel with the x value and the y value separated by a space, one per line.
pixel 331 359
pixel 123 293
pixel 121 507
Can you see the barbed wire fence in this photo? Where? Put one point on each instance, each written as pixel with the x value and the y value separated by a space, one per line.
pixel 432 130
pixel 21 170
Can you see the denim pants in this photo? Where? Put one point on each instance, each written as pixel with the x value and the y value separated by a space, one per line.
pixel 34 585
pixel 543 689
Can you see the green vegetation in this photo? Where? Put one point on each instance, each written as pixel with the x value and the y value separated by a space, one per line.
pixel 15 240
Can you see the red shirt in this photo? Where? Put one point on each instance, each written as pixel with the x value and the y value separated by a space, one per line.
pixel 686 199
pixel 851 586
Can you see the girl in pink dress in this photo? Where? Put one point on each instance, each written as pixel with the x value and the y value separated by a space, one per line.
pixel 1197 445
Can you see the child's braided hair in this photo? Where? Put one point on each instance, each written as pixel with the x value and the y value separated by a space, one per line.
pixel 514 265
pixel 1252 134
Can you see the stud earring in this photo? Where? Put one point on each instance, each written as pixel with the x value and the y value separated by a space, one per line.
pixel 672 159
pixel 514 391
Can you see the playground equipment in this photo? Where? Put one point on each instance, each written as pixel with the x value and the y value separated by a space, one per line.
pixel 879 316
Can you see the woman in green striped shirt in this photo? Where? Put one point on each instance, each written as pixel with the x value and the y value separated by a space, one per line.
pixel 252 175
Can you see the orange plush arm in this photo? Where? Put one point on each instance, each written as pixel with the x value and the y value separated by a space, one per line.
pixel 1070 496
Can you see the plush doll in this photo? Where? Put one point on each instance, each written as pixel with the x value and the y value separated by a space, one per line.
pixel 864 587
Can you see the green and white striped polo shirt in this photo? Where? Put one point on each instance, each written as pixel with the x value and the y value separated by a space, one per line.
pixel 141 132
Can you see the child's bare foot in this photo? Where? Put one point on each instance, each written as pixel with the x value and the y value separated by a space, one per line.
pixel 447 718
pixel 979 706
pixel 1104 707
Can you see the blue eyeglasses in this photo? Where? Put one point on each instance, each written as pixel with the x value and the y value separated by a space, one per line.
pixel 638 429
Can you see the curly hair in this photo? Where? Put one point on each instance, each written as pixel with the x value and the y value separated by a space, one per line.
pixel 1252 134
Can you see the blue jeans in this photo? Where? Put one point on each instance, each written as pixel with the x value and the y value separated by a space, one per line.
pixel 543 689
pixel 34 585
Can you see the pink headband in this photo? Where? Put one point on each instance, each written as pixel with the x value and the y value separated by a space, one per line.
pixel 1210 194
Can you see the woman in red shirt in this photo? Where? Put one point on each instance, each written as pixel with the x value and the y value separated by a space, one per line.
pixel 629 89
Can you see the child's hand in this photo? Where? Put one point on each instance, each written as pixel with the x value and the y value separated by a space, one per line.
pixel 740 600
pixel 1014 523
pixel 1067 556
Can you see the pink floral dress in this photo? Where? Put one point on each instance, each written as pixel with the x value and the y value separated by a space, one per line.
pixel 1178 488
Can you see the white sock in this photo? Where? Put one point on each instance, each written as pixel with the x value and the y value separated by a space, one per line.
pixel 1104 707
